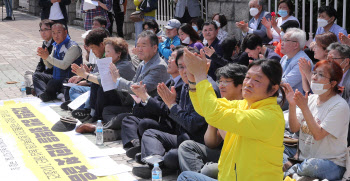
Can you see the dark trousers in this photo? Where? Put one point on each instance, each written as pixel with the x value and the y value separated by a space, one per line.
pixel 133 128
pixel 104 99
pixel 114 115
pixel 45 83
pixel 155 142
pixel 119 20
pixel 193 156
pixel 186 18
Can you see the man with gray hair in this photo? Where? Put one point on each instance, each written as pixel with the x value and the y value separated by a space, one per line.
pixel 151 71
pixel 254 26
pixel 340 53
pixel 292 46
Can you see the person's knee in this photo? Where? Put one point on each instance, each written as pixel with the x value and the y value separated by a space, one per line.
pixel 171 159
pixel 186 146
pixel 210 169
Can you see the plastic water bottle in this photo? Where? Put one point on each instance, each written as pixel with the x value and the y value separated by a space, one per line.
pixel 156 173
pixel 23 90
pixel 99 133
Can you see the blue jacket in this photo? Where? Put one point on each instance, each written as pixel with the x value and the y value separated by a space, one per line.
pixel 60 51
pixel 164 47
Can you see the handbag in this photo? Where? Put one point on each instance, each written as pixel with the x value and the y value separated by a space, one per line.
pixel 137 16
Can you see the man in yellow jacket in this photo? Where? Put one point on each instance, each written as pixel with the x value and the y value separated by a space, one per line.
pixel 253 146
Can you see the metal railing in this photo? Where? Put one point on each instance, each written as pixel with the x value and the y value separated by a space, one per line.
pixel 166 11
pixel 310 17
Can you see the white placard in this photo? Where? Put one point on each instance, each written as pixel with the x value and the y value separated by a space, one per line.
pixel 89 4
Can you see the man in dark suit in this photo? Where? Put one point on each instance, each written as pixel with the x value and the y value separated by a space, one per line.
pixel 255 26
pixel 151 112
pixel 189 125
pixel 55 10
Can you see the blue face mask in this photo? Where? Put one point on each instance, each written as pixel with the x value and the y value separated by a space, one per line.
pixel 195 28
pixel 283 13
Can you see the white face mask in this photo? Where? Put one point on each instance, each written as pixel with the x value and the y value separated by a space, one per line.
pixel 217 23
pixel 317 88
pixel 253 11
pixel 186 40
pixel 322 22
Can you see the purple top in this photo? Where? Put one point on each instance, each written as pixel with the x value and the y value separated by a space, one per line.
pixel 197 45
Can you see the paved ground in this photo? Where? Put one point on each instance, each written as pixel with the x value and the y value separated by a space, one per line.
pixel 19 41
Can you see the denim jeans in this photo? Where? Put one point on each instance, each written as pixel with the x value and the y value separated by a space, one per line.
pixel 138 27
pixel 193 176
pixel 317 168
pixel 8 4
pixel 288 152
pixel 76 91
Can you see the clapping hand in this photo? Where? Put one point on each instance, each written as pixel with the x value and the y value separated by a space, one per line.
pixel 78 70
pixel 140 90
pixel 300 100
pixel 114 72
pixel 168 96
pixel 43 53
pixel 196 64
pixel 209 51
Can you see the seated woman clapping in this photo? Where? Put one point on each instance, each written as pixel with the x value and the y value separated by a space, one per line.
pixel 322 120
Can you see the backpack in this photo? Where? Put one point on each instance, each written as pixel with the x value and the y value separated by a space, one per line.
pixel 148 5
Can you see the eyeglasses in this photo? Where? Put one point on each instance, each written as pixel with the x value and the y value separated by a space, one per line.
pixel 319 74
pixel 44 30
pixel 223 83
pixel 285 40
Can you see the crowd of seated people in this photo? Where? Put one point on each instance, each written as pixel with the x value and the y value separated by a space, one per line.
pixel 205 104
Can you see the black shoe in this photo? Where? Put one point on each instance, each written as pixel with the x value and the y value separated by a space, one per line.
pixel 144 172
pixel 133 151
pixel 45 97
pixel 138 159
pixel 64 105
pixel 8 18
pixel 80 113
pixel 86 118
pixel 28 90
pixel 91 120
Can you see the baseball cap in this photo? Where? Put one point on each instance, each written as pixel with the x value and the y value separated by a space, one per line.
pixel 173 23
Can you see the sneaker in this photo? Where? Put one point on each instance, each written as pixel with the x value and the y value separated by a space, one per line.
pixel 80 113
pixel 46 97
pixel 64 106
pixel 8 18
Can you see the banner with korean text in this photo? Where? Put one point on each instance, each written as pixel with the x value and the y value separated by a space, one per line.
pixel 29 149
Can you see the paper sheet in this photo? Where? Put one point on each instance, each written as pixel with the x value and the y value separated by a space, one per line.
pixel 89 4
pixel 106 78
pixel 105 166
pixel 79 101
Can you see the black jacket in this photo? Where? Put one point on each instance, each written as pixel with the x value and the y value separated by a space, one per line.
pixel 46 7
pixel 41 66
